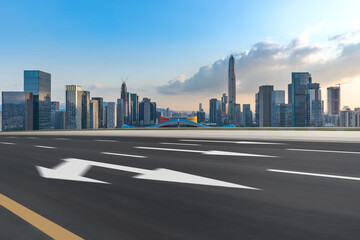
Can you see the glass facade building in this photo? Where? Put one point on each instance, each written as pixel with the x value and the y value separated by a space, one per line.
pixel 100 111
pixel 265 105
pixel 85 109
pixel 17 111
pixel 300 81
pixel 73 107
pixel 134 98
pixel 278 97
pixel 39 84
pixel 247 119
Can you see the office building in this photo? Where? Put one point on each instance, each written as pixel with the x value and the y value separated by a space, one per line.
pixel 347 117
pixel 256 109
pixel 247 118
pixel 94 114
pixel 232 90
pixel 215 111
pixel 100 111
pixel 333 100
pixel 265 105
pixel 134 103
pixel 55 106
pixel 290 93
pixel 147 112
pixel 284 113
pixel 73 107
pixel 278 97
pixel 17 111
pixel 200 116
pixel 119 113
pixel 224 109
pixel 111 115
pixel 313 105
pixel 126 105
pixel 85 109
pixel 39 84
pixel 238 118
pixel 300 81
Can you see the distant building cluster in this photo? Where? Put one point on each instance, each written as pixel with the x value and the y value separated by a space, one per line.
pixel 32 109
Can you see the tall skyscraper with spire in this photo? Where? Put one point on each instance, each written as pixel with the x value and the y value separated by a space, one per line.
pixel 125 102
pixel 232 90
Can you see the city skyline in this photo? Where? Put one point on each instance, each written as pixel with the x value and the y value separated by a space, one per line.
pixel 176 56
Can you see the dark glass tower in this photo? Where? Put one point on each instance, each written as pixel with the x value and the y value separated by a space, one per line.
pixel 300 81
pixel 232 90
pixel 100 111
pixel 125 101
pixel 39 84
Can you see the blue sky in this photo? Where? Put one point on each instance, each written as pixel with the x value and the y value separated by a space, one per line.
pixel 95 43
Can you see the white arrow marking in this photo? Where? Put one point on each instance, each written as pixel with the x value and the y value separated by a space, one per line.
pixel 209 152
pixel 73 169
pixel 220 141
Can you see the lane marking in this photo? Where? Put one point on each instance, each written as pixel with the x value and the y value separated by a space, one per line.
pixel 46 226
pixel 208 152
pixel 104 140
pixel 32 138
pixel 181 144
pixel 124 155
pixel 12 137
pixel 8 143
pixel 74 169
pixel 222 141
pixel 62 138
pixel 324 151
pixel 48 147
pixel 315 174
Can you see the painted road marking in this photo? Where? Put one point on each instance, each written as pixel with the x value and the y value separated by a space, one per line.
pixel 314 174
pixel 104 140
pixel 73 169
pixel 32 138
pixel 208 152
pixel 62 138
pixel 48 147
pixel 181 144
pixel 12 137
pixel 324 151
pixel 124 155
pixel 221 141
pixel 46 226
pixel 8 143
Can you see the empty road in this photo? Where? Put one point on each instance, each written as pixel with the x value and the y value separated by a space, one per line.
pixel 113 187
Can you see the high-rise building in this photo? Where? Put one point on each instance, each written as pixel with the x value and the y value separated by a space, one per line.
pixel 134 98
pixel 125 100
pixel 232 90
pixel 119 113
pixel 247 119
pixel 224 109
pixel 284 112
pixel 265 105
pixel 333 100
pixel 85 109
pixel 94 114
pixel 147 112
pixel 39 84
pixel 215 111
pixel 289 93
pixel 238 119
pixel 100 111
pixel 278 97
pixel 299 84
pixel 200 116
pixel 347 117
pixel 313 105
pixel 17 111
pixel 257 109
pixel 73 107
pixel 57 119
pixel 111 115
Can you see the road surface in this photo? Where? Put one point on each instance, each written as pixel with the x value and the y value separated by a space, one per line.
pixel 120 187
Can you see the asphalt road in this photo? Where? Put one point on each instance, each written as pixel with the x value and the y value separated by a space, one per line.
pixel 277 191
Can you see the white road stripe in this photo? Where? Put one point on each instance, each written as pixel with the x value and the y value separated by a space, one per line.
pixel 222 141
pixel 32 138
pixel 181 144
pixel 208 152
pixel 8 143
pixel 124 155
pixel 104 140
pixel 62 138
pixel 40 146
pixel 315 174
pixel 324 151
pixel 12 137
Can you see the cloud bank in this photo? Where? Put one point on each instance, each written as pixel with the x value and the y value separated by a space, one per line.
pixel 269 62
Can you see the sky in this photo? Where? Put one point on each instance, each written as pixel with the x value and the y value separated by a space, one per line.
pixel 176 51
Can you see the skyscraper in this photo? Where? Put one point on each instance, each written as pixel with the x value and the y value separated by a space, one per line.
pixel 224 109
pixel 39 84
pixel 333 100
pixel 247 116
pixel 265 105
pixel 278 97
pixel 298 94
pixel 232 90
pixel 85 109
pixel 313 105
pixel 111 115
pixel 119 113
pixel 134 99
pixel 125 101
pixel 17 111
pixel 73 107
pixel 147 112
pixel 215 111
pixel 94 114
pixel 100 111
